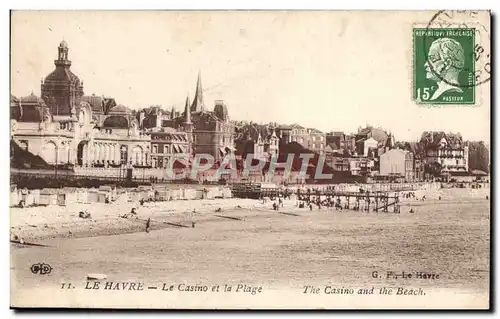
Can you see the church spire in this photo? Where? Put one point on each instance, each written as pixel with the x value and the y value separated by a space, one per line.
pixel 187 111
pixel 172 113
pixel 198 104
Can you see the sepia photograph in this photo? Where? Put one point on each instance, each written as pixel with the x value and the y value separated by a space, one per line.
pixel 250 159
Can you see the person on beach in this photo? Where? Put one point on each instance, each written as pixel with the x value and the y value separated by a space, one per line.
pixel 148 224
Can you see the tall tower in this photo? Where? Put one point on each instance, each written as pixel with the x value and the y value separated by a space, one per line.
pixel 188 125
pixel 198 103
pixel 172 113
pixel 62 90
pixel 62 57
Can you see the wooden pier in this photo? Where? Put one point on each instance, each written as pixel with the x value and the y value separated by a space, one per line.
pixel 366 201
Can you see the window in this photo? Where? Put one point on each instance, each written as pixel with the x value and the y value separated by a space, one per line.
pixel 457 162
pixel 155 148
pixel 314 146
pixel 123 154
pixel 165 149
pixel 23 145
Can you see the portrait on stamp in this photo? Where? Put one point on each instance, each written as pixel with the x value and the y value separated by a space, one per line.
pixel 445 62
pixel 444 66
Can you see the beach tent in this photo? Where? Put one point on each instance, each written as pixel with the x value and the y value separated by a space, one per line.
pixel 101 196
pixel 14 195
pixel 81 196
pixel 92 196
pixel 71 194
pixel 227 192
pixel 189 193
pixel 49 196
pixel 161 194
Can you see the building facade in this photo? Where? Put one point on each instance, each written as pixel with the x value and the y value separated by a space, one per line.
pixel 87 134
pixel 317 140
pixel 65 127
pixel 447 152
pixel 367 147
pixel 361 166
pixel 165 144
pixel 266 147
pixel 309 138
pixel 341 142
pixel 212 131
pixel 397 163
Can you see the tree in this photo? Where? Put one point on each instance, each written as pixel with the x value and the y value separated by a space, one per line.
pixel 433 169
pixel 400 145
pixel 479 157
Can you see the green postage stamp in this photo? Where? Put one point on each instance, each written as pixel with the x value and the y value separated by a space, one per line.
pixel 443 66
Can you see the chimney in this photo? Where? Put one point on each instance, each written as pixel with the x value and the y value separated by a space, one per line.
pixel 159 117
pixel 142 115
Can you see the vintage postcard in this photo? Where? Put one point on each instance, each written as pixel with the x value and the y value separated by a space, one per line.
pixel 250 159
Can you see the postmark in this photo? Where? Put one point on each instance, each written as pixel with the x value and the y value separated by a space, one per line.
pixel 450 59
pixel 464 19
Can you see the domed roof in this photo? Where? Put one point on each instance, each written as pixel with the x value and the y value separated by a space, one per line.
pixel 35 114
pixel 62 74
pixel 63 44
pixel 32 99
pixel 116 121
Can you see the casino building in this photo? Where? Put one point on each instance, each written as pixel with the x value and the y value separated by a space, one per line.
pixel 93 135
pixel 66 128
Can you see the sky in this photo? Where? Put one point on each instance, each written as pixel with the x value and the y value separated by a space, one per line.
pixel 328 70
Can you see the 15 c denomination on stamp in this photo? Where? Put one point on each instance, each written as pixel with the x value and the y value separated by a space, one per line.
pixel 444 65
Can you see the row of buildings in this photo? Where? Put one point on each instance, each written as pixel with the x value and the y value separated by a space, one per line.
pixel 65 127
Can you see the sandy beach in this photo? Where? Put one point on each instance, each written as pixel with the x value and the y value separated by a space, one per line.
pixel 42 222
pixel 279 251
